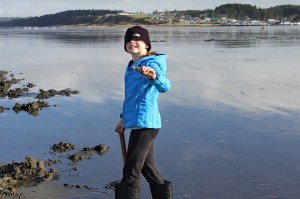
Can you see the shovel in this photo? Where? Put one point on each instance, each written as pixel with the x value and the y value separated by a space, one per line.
pixel 112 185
pixel 123 145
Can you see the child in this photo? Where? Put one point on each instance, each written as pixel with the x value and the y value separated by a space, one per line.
pixel 141 115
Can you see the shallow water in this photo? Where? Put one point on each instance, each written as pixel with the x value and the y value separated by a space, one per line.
pixel 230 121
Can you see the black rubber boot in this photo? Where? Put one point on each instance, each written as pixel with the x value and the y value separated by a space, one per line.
pixel 123 192
pixel 162 191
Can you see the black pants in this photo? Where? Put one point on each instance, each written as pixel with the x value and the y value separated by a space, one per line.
pixel 140 159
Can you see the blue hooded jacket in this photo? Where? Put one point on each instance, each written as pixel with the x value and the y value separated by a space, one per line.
pixel 140 107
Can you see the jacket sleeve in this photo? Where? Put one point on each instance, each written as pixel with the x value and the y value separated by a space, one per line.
pixel 161 82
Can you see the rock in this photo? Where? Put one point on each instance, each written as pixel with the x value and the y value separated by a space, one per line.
pixel 41 165
pixel 4 86
pixel 51 162
pixel 87 152
pixel 32 171
pixel 63 147
pixel 30 162
pixel 101 149
pixel 76 157
pixel 31 108
pixel 51 93
pixel 18 174
pixel 30 85
pixel 2 109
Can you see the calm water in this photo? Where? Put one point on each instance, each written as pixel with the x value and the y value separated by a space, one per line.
pixel 231 121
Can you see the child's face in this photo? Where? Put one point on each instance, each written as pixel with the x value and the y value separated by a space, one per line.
pixel 136 47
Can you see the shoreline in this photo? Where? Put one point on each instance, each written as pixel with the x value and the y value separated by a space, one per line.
pixel 145 25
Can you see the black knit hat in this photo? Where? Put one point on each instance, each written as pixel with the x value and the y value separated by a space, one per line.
pixel 137 32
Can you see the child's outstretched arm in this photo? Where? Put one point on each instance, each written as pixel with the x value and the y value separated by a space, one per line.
pixel 158 78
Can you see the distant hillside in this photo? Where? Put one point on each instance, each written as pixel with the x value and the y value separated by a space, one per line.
pixel 5 19
pixel 242 11
pixel 71 17
pixel 114 17
pixel 123 19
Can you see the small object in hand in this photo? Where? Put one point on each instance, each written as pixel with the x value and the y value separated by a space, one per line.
pixel 138 69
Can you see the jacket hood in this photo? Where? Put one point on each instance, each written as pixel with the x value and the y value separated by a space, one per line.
pixel 160 59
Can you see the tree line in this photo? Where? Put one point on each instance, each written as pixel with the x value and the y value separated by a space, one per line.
pixel 242 11
pixel 70 17
pixel 110 17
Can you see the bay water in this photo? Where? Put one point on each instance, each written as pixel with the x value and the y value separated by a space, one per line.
pixel 231 121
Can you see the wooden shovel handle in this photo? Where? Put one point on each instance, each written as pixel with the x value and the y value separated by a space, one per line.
pixel 123 145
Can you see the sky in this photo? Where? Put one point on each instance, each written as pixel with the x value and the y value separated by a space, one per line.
pixel 28 8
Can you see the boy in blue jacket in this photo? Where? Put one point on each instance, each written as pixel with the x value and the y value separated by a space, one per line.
pixel 140 114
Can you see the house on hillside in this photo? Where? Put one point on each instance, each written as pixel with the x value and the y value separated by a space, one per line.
pixel 272 22
pixel 215 20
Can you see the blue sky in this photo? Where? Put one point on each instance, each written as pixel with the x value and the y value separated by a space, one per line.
pixel 26 8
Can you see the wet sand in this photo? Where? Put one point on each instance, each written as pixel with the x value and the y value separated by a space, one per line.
pixel 43 190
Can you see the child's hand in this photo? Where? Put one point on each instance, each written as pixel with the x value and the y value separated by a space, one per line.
pixel 148 72
pixel 119 127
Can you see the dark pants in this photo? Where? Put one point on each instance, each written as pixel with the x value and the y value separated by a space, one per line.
pixel 140 159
